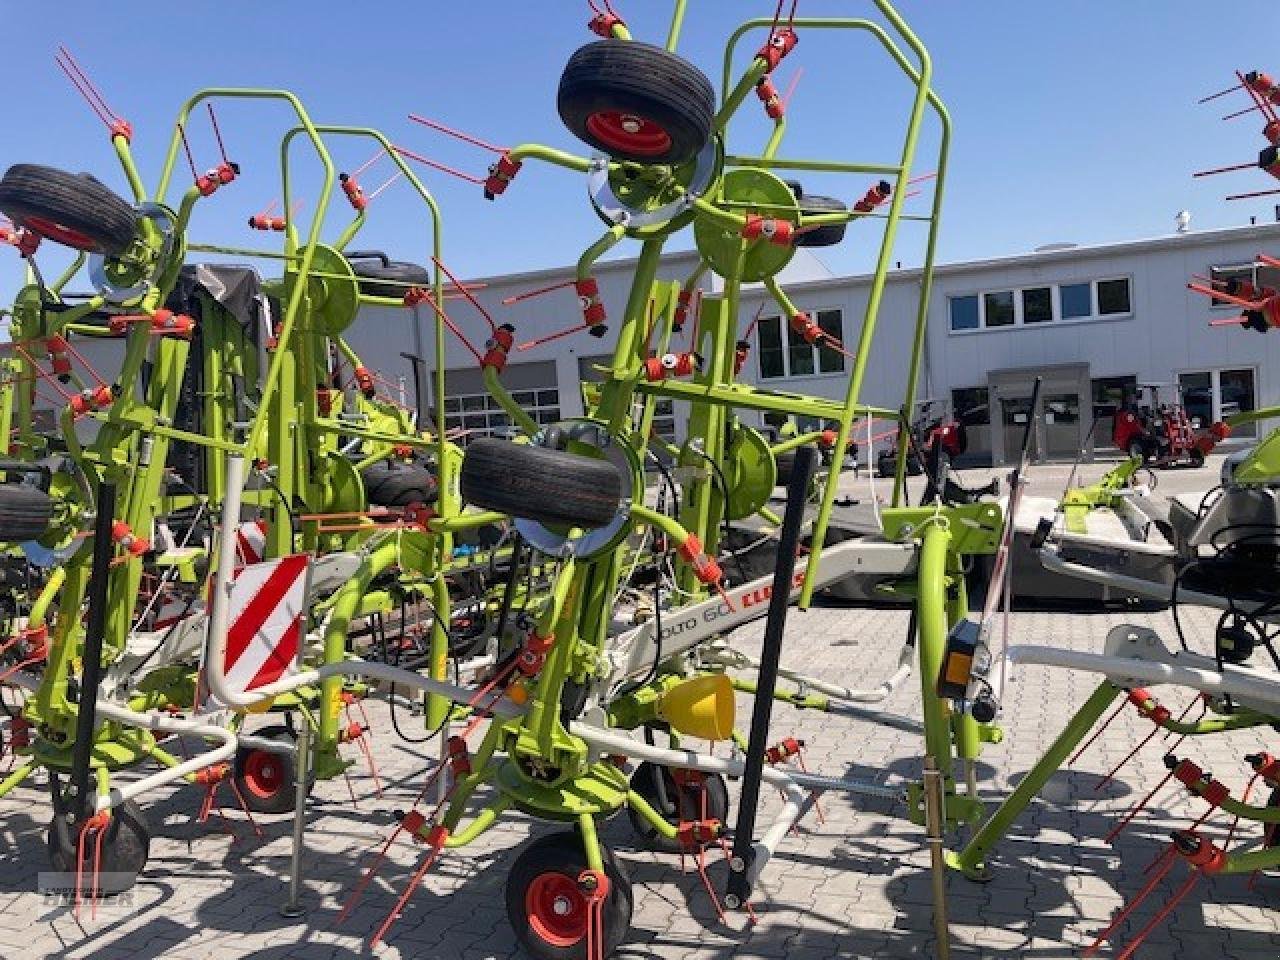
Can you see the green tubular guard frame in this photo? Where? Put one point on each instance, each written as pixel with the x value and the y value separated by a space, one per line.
pixel 549 772
pixel 320 296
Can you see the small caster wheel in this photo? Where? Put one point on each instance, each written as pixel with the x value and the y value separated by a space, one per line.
pixel 549 910
pixel 675 802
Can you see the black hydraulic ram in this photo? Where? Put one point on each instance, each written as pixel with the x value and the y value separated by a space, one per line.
pixel 738 890
pixel 91 676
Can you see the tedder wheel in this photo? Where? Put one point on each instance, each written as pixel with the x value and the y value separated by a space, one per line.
pixel 391 483
pixel 68 208
pixel 24 513
pixel 383 277
pixel 537 483
pixel 266 780
pixel 125 848
pixel 636 102
pixel 549 911
pixel 675 802
pixel 825 236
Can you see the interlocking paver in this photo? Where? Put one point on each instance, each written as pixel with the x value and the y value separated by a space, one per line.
pixel 856 885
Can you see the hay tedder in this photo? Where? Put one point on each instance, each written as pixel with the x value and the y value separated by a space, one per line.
pixel 218 537
pixel 225 525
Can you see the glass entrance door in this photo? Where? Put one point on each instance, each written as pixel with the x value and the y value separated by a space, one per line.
pixel 1061 418
pixel 1015 416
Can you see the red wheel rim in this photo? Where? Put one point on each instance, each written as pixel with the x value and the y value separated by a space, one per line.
pixel 56 232
pixel 629 133
pixel 263 774
pixel 557 909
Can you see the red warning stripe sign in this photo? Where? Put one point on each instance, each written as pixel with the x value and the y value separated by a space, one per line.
pixel 265 614
pixel 251 541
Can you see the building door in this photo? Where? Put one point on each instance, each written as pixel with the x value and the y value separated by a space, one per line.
pixel 1015 415
pixel 1058 429
pixel 1060 414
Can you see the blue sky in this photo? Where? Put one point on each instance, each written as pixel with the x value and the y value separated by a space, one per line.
pixel 1074 121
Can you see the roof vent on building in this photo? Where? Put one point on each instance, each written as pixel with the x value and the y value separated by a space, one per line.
pixel 1050 247
pixel 1183 220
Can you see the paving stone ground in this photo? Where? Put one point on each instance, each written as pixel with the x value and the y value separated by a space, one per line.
pixel 855 884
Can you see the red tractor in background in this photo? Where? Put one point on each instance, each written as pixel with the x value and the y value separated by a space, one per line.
pixel 1160 433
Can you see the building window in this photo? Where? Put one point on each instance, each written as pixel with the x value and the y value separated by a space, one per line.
pixel 664 418
pixel 1077 300
pixel 1212 395
pixel 1236 395
pixel 1223 277
pixel 832 324
pixel 1027 306
pixel 964 313
pixel 799 356
pixel 1260 277
pixel 784 353
pixel 998 308
pixel 771 353
pixel 971 406
pixel 1037 305
pixel 1113 297
pixel 480 414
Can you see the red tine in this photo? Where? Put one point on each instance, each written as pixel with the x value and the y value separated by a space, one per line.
pixel 367 164
pixel 1220 93
pixel 466 292
pixel 390 180
pixel 465 137
pixel 217 133
pixel 444 168
pixel 530 294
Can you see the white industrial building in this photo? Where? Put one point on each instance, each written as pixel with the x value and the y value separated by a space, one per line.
pixel 1092 321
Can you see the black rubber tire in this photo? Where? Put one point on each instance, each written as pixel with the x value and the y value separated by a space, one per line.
pixel 24 513
pixel 656 784
pixel 392 278
pixel 1196 455
pixel 562 853
pixel 125 850
pixel 247 777
pixel 645 81
pixel 549 486
pixel 74 201
pixel 1138 449
pixel 824 236
pixel 394 483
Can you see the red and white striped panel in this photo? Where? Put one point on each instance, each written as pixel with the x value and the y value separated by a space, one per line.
pixel 266 608
pixel 251 541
